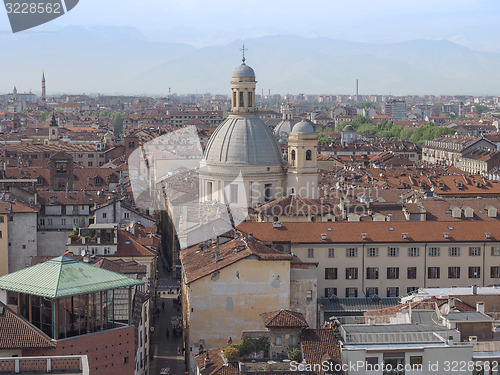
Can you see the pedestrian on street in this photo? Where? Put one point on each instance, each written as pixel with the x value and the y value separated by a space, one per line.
pixel 178 350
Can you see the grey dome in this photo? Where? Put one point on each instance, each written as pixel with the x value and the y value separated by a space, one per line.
pixel 243 140
pixel 283 129
pixel 303 128
pixel 243 71
pixel 349 128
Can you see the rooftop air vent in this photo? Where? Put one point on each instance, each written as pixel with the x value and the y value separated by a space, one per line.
pixel 277 224
pixel 487 235
pixel 323 236
pixel 446 235
pixel 405 236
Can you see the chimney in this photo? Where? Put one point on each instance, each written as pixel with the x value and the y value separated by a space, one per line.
pixel 474 290
pixel 250 236
pixel 480 307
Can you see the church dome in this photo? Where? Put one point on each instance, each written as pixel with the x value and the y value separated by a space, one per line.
pixel 303 128
pixel 283 129
pixel 243 71
pixel 245 141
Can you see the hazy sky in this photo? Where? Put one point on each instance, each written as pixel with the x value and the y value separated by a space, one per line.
pixel 200 22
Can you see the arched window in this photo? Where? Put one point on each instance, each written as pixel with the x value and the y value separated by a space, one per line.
pixel 308 155
pixel 293 158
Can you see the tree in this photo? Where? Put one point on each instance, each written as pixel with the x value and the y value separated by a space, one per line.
pixel 118 124
pixel 294 354
pixel 44 116
pixel 231 353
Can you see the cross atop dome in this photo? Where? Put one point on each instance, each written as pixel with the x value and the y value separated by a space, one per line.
pixel 243 49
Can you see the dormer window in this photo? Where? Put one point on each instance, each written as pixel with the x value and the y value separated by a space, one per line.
pixel 308 155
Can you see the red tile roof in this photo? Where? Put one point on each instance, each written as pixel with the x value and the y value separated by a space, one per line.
pixel 198 262
pixel 349 232
pixel 320 345
pixel 17 333
pixel 284 319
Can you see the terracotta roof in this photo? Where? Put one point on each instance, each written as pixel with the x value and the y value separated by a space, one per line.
pixel 350 232
pixel 17 333
pixel 294 205
pixel 216 365
pixel 284 319
pixel 128 246
pixel 426 304
pixel 198 263
pixel 320 345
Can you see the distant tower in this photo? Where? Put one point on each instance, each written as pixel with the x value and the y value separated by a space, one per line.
pixel 44 98
pixel 303 161
pixel 53 129
pixel 14 94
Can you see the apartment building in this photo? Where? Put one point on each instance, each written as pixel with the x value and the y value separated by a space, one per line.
pixel 389 258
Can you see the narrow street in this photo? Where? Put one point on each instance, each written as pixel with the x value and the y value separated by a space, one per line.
pixel 164 348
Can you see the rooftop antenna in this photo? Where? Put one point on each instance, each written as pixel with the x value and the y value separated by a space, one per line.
pixel 243 49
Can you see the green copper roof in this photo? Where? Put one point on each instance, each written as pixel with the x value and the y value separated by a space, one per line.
pixel 63 277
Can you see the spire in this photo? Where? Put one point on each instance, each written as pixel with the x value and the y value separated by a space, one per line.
pixel 43 76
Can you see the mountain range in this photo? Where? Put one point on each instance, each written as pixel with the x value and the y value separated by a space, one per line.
pixel 121 60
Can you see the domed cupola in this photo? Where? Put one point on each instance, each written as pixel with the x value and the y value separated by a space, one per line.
pixel 243 89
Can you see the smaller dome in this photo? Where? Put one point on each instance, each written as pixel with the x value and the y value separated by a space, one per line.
pixel 243 71
pixel 349 128
pixel 303 128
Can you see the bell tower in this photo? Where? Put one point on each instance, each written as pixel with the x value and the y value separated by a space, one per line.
pixel 243 89
pixel 44 98
pixel 53 129
pixel 303 161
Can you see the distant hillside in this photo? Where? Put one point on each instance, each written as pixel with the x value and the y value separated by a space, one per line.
pixel 122 60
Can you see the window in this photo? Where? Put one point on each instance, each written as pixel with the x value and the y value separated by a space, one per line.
pixel 278 341
pixel 330 273
pixel 292 341
pixel 416 362
pixel 372 252
pixel 234 98
pixel 250 99
pixel 393 272
pixel 454 251
pixel 209 189
pixel 104 215
pixel 371 291
pixel 310 253
pixel 475 251
pixel 351 273
pixel 351 292
pixel 90 164
pixel 393 251
pixel 24 246
pixel 308 155
pixel 49 221
pixel 433 272
pixel 105 250
pixel 293 158
pixel 233 193
pixel 63 222
pixel 434 251
pixel 126 215
pixel 330 292
pixel 453 272
pixel 392 291
pixel 267 192
pixel 411 289
pixel 2 219
pixel 351 252
pixel 1 235
pixel 242 103
pixel 412 273
pixel 413 251
pixel 331 252
pixel 93 250
pixel 372 273
pixel 495 272
pixel 371 363
pixel 474 272
pixel 495 250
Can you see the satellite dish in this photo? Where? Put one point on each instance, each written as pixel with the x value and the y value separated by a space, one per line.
pixel 445 309
pixel 82 253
